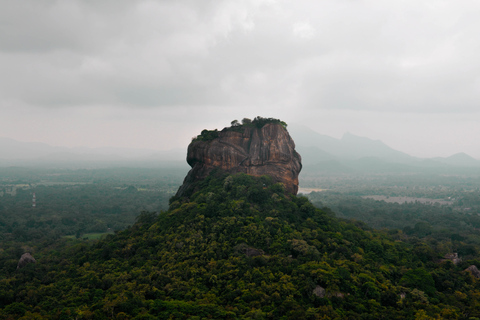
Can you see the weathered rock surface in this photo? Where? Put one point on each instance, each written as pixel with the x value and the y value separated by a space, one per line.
pixel 453 257
pixel 249 251
pixel 255 151
pixel 319 292
pixel 474 271
pixel 25 259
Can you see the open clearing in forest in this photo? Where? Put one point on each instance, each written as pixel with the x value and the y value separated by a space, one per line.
pixel 310 190
pixel 91 236
pixel 402 200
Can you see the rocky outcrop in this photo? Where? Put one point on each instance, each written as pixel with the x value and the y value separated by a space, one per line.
pixel 453 257
pixel 25 259
pixel 249 251
pixel 319 291
pixel 474 271
pixel 268 150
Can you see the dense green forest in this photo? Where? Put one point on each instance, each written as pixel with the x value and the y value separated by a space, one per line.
pixel 442 210
pixel 77 202
pixel 240 249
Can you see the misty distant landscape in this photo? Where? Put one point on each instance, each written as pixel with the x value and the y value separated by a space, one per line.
pixel 350 154
pixel 263 159
pixel 99 203
pixel 334 171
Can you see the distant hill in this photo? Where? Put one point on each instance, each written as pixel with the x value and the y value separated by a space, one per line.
pixel 459 159
pixel 314 155
pixel 349 147
pixel 360 147
pixel 351 153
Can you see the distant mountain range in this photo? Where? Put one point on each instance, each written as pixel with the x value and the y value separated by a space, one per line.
pixel 349 147
pixel 320 153
pixel 352 153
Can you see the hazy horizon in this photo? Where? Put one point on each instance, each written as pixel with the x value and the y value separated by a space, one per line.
pixel 153 74
pixel 139 152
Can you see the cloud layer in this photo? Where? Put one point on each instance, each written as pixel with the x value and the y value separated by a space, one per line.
pixel 303 60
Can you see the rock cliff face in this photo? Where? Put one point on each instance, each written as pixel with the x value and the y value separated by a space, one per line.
pixel 268 150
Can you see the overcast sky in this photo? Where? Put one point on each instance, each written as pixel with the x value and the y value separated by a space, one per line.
pixel 153 74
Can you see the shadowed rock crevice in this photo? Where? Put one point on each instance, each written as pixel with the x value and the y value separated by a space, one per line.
pixel 267 150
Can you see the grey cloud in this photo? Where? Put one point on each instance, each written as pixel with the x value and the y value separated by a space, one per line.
pixel 352 55
pixel 109 52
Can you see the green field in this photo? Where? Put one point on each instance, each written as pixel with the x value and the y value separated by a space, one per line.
pixel 91 236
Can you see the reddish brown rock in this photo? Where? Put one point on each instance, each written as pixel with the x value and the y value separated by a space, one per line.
pixel 268 150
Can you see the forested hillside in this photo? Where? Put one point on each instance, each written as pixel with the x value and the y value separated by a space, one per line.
pixel 241 249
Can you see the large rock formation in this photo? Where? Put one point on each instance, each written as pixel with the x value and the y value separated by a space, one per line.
pixel 254 150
